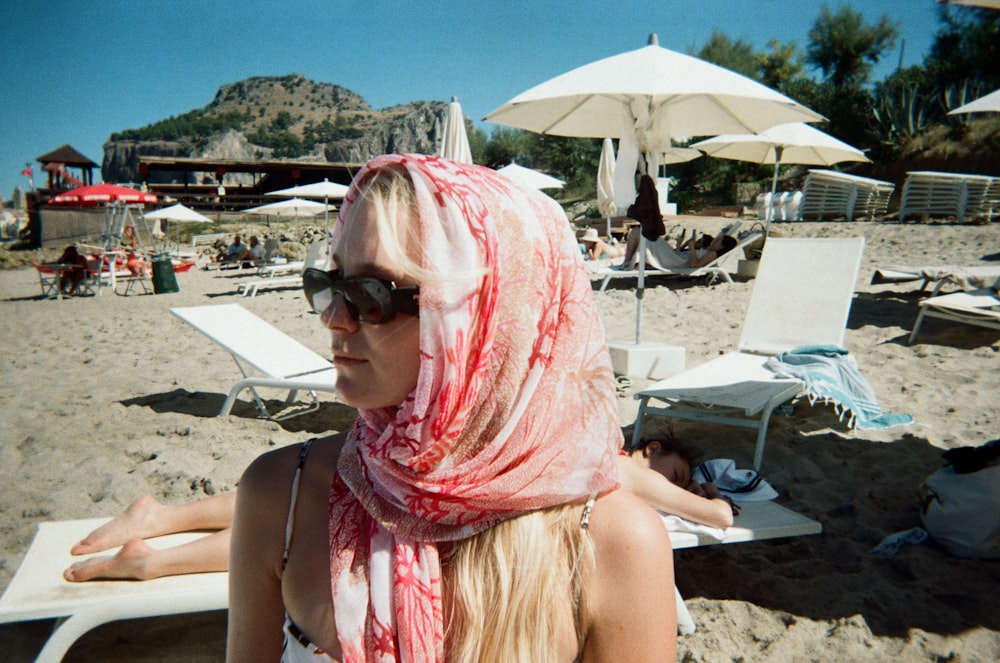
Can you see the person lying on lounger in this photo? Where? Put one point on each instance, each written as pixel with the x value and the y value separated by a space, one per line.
pixel 659 471
pixel 682 256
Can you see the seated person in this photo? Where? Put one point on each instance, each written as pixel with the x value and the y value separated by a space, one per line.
pixel 663 255
pixel 232 252
pixel 135 265
pixel 253 252
pixel 69 279
pixel 598 249
pixel 659 472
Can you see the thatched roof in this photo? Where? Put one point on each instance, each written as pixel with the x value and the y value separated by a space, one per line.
pixel 67 155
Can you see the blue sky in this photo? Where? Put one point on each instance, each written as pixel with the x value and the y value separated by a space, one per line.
pixel 74 72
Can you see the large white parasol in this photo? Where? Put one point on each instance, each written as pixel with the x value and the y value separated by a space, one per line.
pixel 179 213
pixel 645 98
pixel 293 207
pixel 987 104
pixel 325 190
pixel 455 141
pixel 786 143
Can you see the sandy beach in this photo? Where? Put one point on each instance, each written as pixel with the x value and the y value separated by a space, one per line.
pixel 108 398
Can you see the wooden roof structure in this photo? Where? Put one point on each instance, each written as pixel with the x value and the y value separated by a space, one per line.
pixel 55 163
pixel 270 175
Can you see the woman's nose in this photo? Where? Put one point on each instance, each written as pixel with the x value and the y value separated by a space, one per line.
pixel 336 315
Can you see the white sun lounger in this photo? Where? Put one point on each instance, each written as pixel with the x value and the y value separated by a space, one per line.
pixel 713 271
pixel 38 591
pixel 965 277
pixel 801 296
pixel 278 360
pixel 315 257
pixel 757 521
pixel 980 308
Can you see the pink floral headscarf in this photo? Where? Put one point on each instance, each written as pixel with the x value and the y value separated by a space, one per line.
pixel 514 408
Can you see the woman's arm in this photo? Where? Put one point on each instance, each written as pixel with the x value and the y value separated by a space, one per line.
pixel 657 491
pixel 629 610
pixel 256 611
pixel 695 261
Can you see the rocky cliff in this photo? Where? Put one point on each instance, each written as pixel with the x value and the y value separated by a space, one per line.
pixel 288 117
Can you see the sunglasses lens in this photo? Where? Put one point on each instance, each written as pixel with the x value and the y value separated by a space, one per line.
pixel 366 299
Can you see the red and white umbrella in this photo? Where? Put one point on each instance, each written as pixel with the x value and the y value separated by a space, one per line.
pixel 96 194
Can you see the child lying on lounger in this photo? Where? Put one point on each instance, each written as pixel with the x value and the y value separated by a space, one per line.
pixel 658 471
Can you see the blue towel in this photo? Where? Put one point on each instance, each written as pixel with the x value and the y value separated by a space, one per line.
pixel 831 375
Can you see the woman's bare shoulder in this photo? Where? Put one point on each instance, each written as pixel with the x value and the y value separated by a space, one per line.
pixel 622 521
pixel 272 471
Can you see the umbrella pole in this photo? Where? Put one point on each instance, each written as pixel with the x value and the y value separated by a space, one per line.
pixel 774 189
pixel 640 289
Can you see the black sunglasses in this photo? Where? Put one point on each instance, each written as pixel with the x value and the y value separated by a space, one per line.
pixel 370 300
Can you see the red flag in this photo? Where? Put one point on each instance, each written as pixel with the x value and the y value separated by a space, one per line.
pixel 27 172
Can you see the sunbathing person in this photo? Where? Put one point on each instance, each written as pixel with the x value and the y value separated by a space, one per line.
pixel 597 249
pixel 659 471
pixel 666 256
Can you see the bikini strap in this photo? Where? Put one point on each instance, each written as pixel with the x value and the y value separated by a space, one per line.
pixel 290 520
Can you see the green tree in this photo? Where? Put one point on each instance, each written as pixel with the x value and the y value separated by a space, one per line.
pixel 736 55
pixel 844 47
pixel 779 65
pixel 966 48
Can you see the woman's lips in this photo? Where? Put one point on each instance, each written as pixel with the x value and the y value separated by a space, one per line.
pixel 346 361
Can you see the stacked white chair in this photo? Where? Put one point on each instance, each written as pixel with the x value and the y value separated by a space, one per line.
pixel 929 193
pixel 829 194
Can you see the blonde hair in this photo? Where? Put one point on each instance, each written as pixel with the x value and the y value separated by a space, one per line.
pixel 505 588
pixel 393 200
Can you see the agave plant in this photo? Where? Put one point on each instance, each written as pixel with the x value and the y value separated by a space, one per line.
pixel 899 114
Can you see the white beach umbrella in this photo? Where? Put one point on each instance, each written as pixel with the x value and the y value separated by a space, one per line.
pixel 325 190
pixel 530 177
pixel 294 207
pixel 645 98
pixel 606 182
pixel 179 213
pixel 455 141
pixel 795 142
pixel 988 104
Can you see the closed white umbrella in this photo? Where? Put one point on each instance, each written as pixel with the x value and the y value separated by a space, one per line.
pixel 530 177
pixel 786 143
pixel 606 182
pixel 647 97
pixel 455 141
pixel 988 104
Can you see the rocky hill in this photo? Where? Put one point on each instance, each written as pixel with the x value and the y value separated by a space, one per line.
pixel 269 117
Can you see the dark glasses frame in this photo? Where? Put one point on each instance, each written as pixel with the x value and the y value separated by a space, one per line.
pixel 368 299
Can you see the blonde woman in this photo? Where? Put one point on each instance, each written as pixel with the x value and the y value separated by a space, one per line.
pixel 472 513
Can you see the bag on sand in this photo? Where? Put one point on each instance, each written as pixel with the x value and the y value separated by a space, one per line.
pixel 960 506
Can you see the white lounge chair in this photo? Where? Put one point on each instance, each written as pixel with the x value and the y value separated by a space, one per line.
pixel 757 521
pixel 315 257
pixel 929 193
pixel 278 360
pixel 980 308
pixel 966 277
pixel 715 270
pixel 802 296
pixel 38 591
